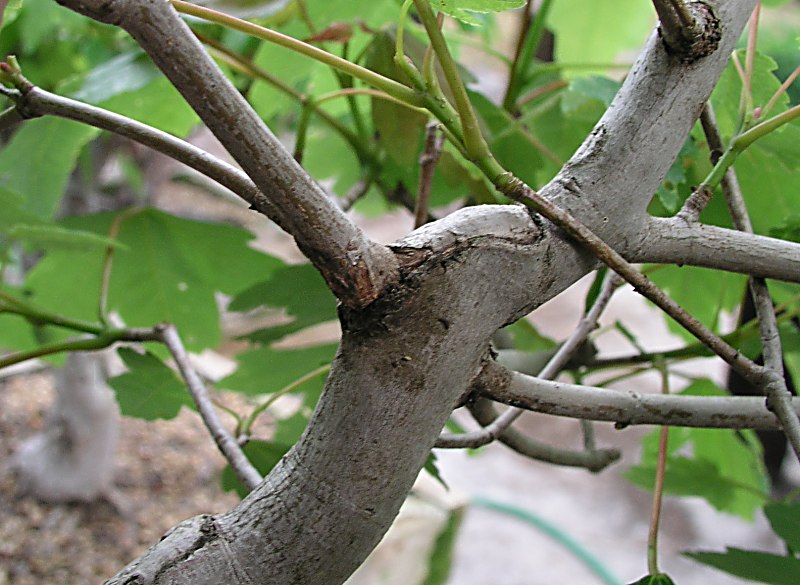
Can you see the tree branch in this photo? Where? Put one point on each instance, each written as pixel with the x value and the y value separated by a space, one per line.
pixel 244 470
pixel 558 362
pixel 38 102
pixel 623 407
pixel 779 398
pixel 591 459
pixel 673 241
pixel 356 269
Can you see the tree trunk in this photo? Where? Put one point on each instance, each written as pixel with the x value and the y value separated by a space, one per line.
pixel 406 359
pixel 72 458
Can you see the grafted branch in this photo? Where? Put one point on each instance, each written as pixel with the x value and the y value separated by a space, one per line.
pixel 356 269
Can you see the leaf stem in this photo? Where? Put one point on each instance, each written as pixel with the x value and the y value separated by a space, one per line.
pixel 474 142
pixel 393 88
pixel 658 489
pixel 247 425
pixel 531 39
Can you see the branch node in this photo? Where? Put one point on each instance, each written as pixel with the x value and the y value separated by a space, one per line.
pixel 690 30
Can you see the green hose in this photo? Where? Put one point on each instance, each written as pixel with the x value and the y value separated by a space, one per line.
pixel 590 561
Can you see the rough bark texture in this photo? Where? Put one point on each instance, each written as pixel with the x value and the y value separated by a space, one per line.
pixel 406 359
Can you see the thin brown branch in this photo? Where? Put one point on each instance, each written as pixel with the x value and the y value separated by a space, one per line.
pixel 38 102
pixel 230 449
pixel 434 140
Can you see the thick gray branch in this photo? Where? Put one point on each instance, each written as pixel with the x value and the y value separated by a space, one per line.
pixel 673 241
pixel 356 269
pixel 625 407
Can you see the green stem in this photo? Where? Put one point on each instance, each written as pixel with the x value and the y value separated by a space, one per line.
pixel 474 142
pixel 521 65
pixel 248 423
pixel 93 344
pixel 18 307
pixel 390 86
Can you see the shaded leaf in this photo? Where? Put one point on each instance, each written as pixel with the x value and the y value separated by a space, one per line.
pixel 266 370
pixel 785 521
pixel 44 143
pixel 754 565
pixel 43 236
pixel 659 579
pixel 150 389
pixel 433 469
pixel 263 455
pixel 300 290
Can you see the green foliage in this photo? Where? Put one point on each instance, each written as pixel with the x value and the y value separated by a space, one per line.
pixel 299 291
pixel 592 30
pixel 266 370
pixel 46 143
pixel 263 455
pixel 753 565
pixel 463 9
pixel 722 466
pixel 166 269
pixel 659 579
pixel 150 389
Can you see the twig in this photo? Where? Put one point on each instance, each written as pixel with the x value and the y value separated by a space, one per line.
pixel 624 407
pixel 778 396
pixel 244 470
pixel 592 459
pixel 553 367
pixel 38 102
pixel 516 189
pixel 658 488
pixel 434 140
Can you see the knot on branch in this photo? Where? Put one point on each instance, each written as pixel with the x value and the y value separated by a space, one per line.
pixel 690 30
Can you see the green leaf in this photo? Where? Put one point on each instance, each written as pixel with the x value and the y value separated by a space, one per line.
pixel 126 72
pixel 725 467
pixel 597 31
pixel 788 230
pixel 263 455
pixel 45 236
pixel 289 430
pixel 785 521
pixel 440 561
pixel 39 160
pixel 753 565
pixel 300 290
pixel 719 292
pixel 659 579
pixel 462 9
pixel 433 469
pixel 150 389
pixel 266 370
pixel 169 270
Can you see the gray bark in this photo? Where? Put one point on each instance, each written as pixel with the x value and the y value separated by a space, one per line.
pixel 406 359
pixel 72 458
